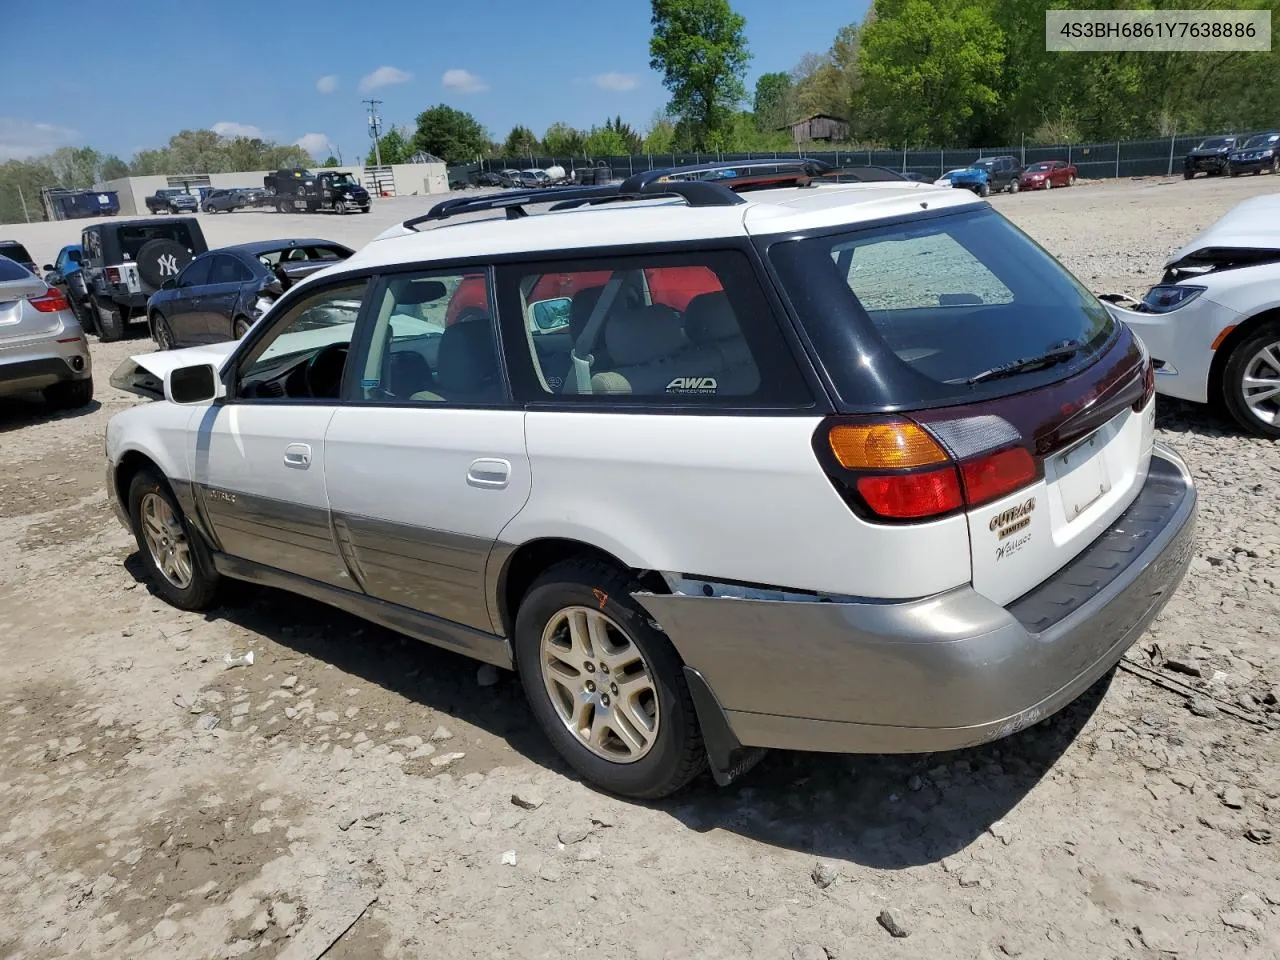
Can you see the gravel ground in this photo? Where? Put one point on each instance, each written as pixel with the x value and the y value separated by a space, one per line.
pixel 158 802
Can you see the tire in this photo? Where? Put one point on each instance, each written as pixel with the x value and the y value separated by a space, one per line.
pixel 984 190
pixel 110 322
pixel 340 207
pixel 365 208
pixel 161 259
pixel 69 394
pixel 1229 171
pixel 1048 184
pixel 201 586
pixel 162 333
pixel 1013 186
pixel 1275 165
pixel 1247 360
pixel 1188 175
pixel 85 314
pixel 283 206
pixel 673 755
pixel 241 327
pixel 1071 180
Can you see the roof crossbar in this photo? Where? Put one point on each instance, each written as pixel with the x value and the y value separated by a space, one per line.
pixel 813 168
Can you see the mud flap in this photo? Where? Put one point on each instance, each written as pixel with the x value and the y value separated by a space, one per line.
pixel 727 758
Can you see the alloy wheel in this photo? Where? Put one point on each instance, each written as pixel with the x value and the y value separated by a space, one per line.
pixel 166 540
pixel 1260 385
pixel 599 684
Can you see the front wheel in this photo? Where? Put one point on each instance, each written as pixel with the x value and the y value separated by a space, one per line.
pixel 162 333
pixel 984 190
pixel 1071 180
pixel 1188 175
pixel 1275 165
pixel 175 562
pixel 1013 186
pixel 1230 171
pixel 1251 382
pixel 605 683
pixel 340 207
pixel 1048 183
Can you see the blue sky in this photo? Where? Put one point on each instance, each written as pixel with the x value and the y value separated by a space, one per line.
pixel 235 66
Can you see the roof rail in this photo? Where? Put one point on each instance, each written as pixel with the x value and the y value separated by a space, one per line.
pixel 509 200
pixel 861 174
pixel 636 182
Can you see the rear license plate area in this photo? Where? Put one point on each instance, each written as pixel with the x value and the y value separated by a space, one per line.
pixel 1081 473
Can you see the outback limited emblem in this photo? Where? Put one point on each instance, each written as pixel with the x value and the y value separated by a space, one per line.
pixel 692 385
pixel 1013 519
pixel 167 264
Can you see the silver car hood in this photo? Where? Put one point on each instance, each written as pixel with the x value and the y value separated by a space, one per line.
pixel 1253 224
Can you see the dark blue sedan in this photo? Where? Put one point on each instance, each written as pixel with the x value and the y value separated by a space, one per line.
pixel 220 294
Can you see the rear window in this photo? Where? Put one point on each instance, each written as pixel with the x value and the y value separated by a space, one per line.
pixel 947 298
pixel 15 251
pixel 132 238
pixel 12 271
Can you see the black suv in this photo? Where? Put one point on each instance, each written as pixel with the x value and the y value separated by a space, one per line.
pixel 126 261
pixel 1211 155
pixel 1256 154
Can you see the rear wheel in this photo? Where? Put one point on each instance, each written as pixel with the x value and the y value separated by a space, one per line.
pixel 110 321
pixel 70 394
pixel 241 327
pixel 604 683
pixel 984 190
pixel 1251 382
pixel 176 563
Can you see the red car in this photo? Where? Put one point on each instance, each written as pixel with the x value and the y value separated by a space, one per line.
pixel 1047 174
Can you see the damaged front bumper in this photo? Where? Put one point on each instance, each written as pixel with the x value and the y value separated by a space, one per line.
pixel 939 673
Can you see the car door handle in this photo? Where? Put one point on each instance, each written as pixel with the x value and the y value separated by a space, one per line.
pixel 298 455
pixel 485 472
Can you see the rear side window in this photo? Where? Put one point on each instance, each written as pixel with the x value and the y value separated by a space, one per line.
pixel 228 270
pixel 666 328
pixel 948 298
pixel 12 271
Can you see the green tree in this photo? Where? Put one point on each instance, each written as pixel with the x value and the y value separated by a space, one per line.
pixel 632 142
pixel 661 136
pixel 520 142
pixel 393 147
pixel 452 135
pixel 75 167
pixel 935 66
pixel 331 161
pixel 148 163
pixel 772 103
pixel 605 142
pixel 20 183
pixel 113 168
pixel 562 140
pixel 700 48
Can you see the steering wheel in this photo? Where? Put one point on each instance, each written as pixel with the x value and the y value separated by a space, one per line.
pixel 323 373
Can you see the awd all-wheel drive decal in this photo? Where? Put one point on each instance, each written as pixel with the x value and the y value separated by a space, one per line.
pixel 693 385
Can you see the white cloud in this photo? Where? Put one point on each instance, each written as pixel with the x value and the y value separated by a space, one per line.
pixel 20 139
pixel 384 77
pixel 617 82
pixel 229 128
pixel 328 83
pixel 463 81
pixel 313 143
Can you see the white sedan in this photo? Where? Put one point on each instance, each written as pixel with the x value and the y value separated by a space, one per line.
pixel 1212 325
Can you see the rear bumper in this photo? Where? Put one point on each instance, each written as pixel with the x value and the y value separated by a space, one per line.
pixel 36 364
pixel 943 672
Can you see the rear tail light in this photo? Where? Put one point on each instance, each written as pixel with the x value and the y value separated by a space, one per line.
pixel 113 274
pixel 895 470
pixel 51 301
pixel 1148 383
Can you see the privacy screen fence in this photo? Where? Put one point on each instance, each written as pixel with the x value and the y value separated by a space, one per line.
pixel 1125 158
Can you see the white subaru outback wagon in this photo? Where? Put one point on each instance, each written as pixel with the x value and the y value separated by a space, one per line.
pixel 716 464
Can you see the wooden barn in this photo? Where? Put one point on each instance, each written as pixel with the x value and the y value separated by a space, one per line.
pixel 820 126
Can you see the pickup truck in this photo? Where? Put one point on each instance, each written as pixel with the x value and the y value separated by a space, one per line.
pixel 172 200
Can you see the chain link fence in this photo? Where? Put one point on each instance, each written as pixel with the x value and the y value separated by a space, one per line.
pixel 1095 161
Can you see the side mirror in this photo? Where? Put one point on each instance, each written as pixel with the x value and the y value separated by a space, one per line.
pixel 198 383
pixel 169 284
pixel 551 314
pixel 48 267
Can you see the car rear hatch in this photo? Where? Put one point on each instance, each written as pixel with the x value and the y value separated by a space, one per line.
pixel 974 377
pixel 24 310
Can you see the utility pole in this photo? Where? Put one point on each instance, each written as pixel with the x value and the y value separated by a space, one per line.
pixel 375 129
pixel 23 200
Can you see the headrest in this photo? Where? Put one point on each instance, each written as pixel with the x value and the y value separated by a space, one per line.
pixel 642 334
pixel 467 361
pixel 410 292
pixel 709 317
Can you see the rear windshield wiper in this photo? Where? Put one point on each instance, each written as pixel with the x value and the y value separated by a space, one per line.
pixel 1059 354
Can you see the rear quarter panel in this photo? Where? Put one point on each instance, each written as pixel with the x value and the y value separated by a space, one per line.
pixel 723 497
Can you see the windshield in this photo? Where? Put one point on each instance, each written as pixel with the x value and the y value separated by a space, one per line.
pixel 1039 167
pixel 948 297
pixel 344 178
pixel 1213 143
pixel 10 270
pixel 1262 140
pixel 982 165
